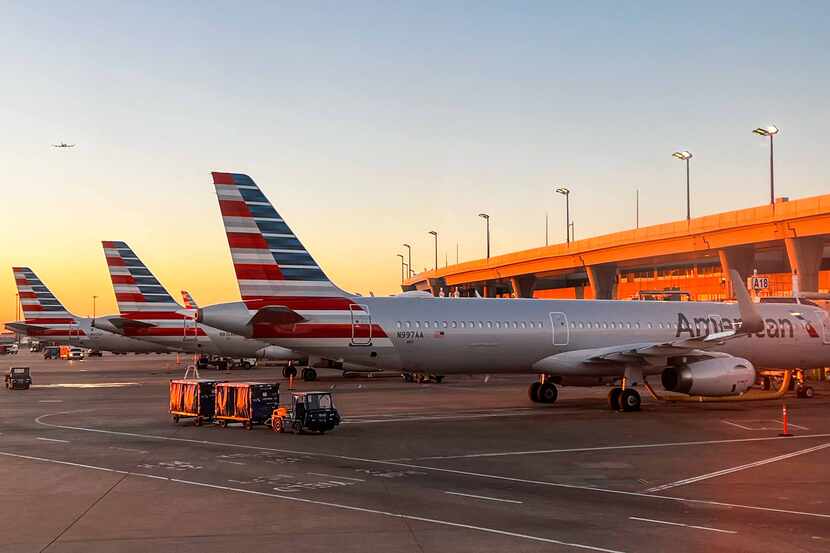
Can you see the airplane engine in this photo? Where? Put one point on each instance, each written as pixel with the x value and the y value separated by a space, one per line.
pixel 720 376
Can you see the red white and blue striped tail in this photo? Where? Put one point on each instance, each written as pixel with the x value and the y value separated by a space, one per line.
pixel 41 309
pixel 189 302
pixel 136 289
pixel 272 265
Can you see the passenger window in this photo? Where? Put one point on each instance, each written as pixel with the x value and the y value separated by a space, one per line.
pixel 471 324
pixel 523 324
pixel 435 324
pixel 454 324
pixel 489 324
pixel 613 325
pixel 408 324
pixel 426 324
pixel 498 324
pixel 515 324
pixel 398 324
pixel 417 324
pixel 480 324
pixel 444 324
pixel 604 325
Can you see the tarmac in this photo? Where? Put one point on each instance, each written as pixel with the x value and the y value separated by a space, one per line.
pixel 90 461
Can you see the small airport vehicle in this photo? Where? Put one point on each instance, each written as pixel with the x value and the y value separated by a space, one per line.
pixel 75 354
pixel 94 353
pixel 18 378
pixel 13 349
pixel 421 378
pixel 52 352
pixel 192 398
pixel 247 402
pixel 35 347
pixel 309 411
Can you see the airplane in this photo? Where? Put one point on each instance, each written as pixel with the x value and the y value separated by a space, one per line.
pixel 48 320
pixel 148 312
pixel 63 145
pixel 189 302
pixel 695 348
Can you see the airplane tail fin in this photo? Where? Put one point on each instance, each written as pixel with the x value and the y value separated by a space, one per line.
pixel 189 302
pixel 40 306
pixel 136 289
pixel 272 266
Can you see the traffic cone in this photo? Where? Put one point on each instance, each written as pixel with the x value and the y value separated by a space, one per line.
pixel 784 419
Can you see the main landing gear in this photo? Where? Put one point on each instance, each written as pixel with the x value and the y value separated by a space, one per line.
pixel 627 399
pixel 543 391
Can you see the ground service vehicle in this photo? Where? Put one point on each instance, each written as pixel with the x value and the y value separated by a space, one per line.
pixel 18 378
pixel 52 352
pixel 192 398
pixel 247 402
pixel 309 411
pixel 75 354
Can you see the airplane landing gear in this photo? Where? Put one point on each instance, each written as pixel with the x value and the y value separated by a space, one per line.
pixel 626 400
pixel 543 392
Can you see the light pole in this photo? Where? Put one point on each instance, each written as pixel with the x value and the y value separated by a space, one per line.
pixel 435 235
pixel 686 155
pixel 409 263
pixel 770 131
pixel 487 221
pixel 93 307
pixel 567 193
pixel 402 264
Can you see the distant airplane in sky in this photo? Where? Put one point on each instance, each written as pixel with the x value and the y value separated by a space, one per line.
pixel 63 145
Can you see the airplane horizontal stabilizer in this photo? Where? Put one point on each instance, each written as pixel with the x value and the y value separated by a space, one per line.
pixel 276 314
pixel 24 328
pixel 121 323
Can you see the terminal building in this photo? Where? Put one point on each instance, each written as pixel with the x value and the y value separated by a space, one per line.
pixel 678 260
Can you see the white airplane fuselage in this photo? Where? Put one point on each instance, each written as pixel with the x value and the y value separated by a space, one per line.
pixel 475 335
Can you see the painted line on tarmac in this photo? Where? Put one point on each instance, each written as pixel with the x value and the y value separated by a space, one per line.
pixel 324 475
pixel 441 417
pixel 611 447
pixel 53 440
pixel 730 470
pixel 438 469
pixel 710 529
pixel 340 506
pixel 485 497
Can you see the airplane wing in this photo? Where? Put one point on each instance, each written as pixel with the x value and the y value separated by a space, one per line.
pixel 276 314
pixel 657 353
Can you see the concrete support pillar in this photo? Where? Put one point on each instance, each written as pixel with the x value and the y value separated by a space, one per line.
pixel 805 259
pixel 603 279
pixel 523 285
pixel 738 258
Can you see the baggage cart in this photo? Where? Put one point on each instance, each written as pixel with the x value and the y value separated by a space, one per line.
pixel 192 398
pixel 249 403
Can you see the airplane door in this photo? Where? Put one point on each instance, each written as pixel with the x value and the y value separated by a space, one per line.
pixel 361 325
pixel 559 326
pixel 74 334
pixel 189 331
pixel 825 326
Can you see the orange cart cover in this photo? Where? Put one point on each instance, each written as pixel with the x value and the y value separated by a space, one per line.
pixel 243 403
pixel 176 396
pixel 223 394
pixel 191 397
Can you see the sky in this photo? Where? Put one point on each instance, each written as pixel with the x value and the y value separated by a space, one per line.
pixel 369 124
